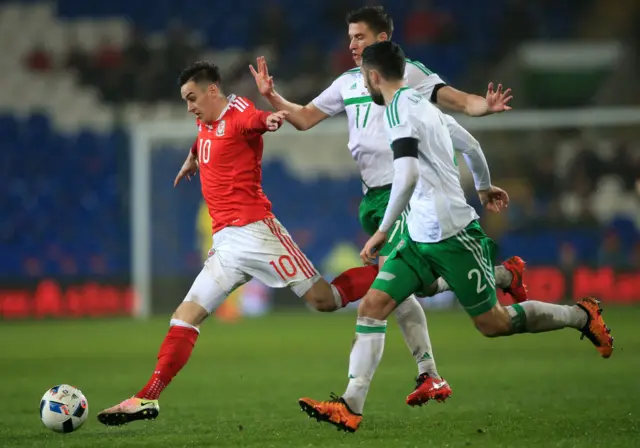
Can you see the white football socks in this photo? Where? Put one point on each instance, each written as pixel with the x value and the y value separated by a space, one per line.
pixel 503 276
pixel 413 323
pixel 538 317
pixel 365 356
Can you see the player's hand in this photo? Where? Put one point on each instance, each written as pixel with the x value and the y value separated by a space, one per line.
pixel 275 120
pixel 494 199
pixel 498 101
pixel 372 248
pixel 189 169
pixel 263 80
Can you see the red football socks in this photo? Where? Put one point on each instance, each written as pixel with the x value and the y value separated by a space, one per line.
pixel 354 283
pixel 174 354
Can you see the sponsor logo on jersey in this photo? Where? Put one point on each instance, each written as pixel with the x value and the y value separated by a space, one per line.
pixel 221 127
pixel 354 86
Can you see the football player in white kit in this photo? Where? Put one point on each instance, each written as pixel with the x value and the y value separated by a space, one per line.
pixel 370 149
pixel 444 239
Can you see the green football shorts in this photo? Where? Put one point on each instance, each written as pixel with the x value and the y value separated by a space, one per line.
pixel 372 208
pixel 464 260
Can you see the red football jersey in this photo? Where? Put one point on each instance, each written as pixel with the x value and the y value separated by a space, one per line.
pixel 230 157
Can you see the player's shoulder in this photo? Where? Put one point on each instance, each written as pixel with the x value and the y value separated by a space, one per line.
pixel 417 68
pixel 351 72
pixel 240 103
pixel 405 96
pixel 406 102
pixel 240 110
pixel 347 77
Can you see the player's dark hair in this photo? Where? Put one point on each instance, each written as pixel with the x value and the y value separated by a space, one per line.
pixel 200 71
pixel 375 17
pixel 387 58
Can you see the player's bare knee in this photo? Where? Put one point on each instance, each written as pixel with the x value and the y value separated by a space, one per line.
pixel 324 306
pixel 493 323
pixel 191 313
pixel 376 305
pixel 321 297
pixel 489 329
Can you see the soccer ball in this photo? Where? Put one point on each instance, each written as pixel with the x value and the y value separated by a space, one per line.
pixel 63 408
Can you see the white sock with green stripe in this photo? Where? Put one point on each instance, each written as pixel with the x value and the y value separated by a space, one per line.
pixel 413 323
pixel 363 362
pixel 538 317
pixel 503 277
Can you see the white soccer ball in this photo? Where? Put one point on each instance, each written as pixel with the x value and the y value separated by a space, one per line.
pixel 63 408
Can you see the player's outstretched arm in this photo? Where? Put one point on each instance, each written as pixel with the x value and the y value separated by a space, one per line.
pixel 190 165
pixel 261 121
pixel 494 199
pixel 301 117
pixel 469 147
pixel 474 105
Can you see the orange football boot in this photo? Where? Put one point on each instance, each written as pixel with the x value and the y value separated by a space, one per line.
pixel 335 411
pixel 429 388
pixel 595 330
pixel 517 289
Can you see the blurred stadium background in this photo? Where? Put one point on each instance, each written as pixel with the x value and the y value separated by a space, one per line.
pixel 79 77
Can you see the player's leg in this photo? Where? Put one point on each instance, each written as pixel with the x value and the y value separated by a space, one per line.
pixel 411 317
pixel 412 321
pixel 464 261
pixel 347 287
pixel 210 288
pixel 277 261
pixel 538 317
pixel 397 279
pixel 410 314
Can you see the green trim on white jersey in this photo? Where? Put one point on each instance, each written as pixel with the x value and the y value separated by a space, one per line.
pixel 421 66
pixel 350 72
pixel 392 110
pixel 357 100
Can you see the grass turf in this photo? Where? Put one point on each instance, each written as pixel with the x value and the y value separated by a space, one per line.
pixel 242 384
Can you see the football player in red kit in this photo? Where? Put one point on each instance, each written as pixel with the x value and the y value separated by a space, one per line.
pixel 248 240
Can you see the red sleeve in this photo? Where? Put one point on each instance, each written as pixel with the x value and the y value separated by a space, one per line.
pixel 257 122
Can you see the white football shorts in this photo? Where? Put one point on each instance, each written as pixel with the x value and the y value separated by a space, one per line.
pixel 263 250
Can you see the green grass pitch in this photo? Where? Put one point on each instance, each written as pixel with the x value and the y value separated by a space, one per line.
pixel 241 386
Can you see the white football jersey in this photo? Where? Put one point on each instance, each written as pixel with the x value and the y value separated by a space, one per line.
pixel 367 139
pixel 438 208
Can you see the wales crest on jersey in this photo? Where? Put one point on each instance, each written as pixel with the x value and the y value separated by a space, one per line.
pixel 220 129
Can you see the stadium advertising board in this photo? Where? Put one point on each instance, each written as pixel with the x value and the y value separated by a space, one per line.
pixel 51 298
